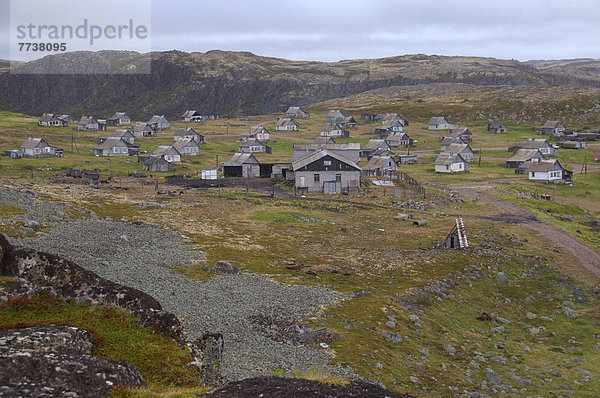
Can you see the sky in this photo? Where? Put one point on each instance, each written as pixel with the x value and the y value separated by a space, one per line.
pixel 332 30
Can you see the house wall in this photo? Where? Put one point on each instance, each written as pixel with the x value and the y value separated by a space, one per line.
pixel 552 175
pixel 440 126
pixel 348 179
pixel 250 170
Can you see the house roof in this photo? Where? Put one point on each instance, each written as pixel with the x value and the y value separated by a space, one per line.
pixel 87 120
pixel 377 162
pixel 32 143
pixel 156 119
pixel 295 109
pixel 438 120
pixel 332 126
pixel 348 119
pixel 162 150
pixel 457 132
pixel 248 142
pixel 447 159
pixel 398 135
pixel 119 133
pixel 544 166
pixel 183 142
pixel 334 146
pixel 189 113
pixel 376 144
pixel 524 155
pixel 257 129
pixel 458 148
pixel 111 142
pixel 335 112
pixel 447 141
pixel 180 132
pixel 241 158
pixel 118 115
pixel 285 121
pixel 314 156
pixel 386 124
pixel 141 126
pixel 324 140
pixel 46 117
pixel 551 124
pixel 533 144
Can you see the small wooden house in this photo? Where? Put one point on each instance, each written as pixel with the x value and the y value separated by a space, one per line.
pixel 188 132
pixel 252 145
pixel 539 143
pixel 547 171
pixel 296 112
pixel 381 166
pixel 348 123
pixel 242 165
pixel 463 149
pixel 13 153
pixel 258 132
pixel 447 141
pixel 141 129
pixel 192 116
pixel 89 123
pixel 324 140
pixel 157 164
pixel 38 148
pixel 334 115
pixel 574 144
pixel 286 124
pixel 159 122
pixel 50 120
pixel 167 152
pixel 439 123
pixel 522 156
pixel 334 130
pixel 461 132
pixel 447 162
pixel 118 119
pixel 554 128
pixel 115 146
pixel 497 128
pixel 326 172
pixel 187 147
pixel 372 146
pixel 399 140
pixel 125 134
pixel 388 117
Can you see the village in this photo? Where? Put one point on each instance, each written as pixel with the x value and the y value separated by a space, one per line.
pixel 343 156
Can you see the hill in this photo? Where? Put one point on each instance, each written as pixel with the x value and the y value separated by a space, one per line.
pixel 238 83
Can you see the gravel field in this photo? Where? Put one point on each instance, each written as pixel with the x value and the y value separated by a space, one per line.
pixel 138 254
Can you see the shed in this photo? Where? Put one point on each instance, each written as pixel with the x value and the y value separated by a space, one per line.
pixel 242 165
pixel 447 162
pixel 522 156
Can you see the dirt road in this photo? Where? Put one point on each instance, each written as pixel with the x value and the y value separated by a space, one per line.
pixel 513 214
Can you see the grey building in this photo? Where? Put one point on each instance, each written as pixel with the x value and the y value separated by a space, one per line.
pixel 326 172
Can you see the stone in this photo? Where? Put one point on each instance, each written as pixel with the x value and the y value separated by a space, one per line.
pixel 450 349
pixel 546 319
pixel 391 324
pixel 474 365
pixel 29 192
pixel 145 205
pixel 391 336
pixel 225 267
pixel 502 320
pixel 492 377
pixel 521 381
pixel 531 316
pixel 536 331
pixel 501 278
pixel 207 352
pixel 57 339
pixel 498 329
pixel 32 224
pixel 499 359
pixel 414 380
pixel 570 312
pixel 378 365
pixel 424 351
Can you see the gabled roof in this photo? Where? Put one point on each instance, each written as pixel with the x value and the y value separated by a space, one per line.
pixel 156 119
pixel 141 126
pixel 248 142
pixel 314 156
pixel 376 144
pixel 189 113
pixel 377 162
pixel 111 142
pixel 524 155
pixel 183 142
pixel 162 150
pixel 335 112
pixel 334 146
pixel 183 131
pixel 331 126
pixel 33 143
pixel 438 120
pixel 458 148
pixel 348 119
pixel 46 117
pixel 257 129
pixel 447 159
pixel 324 140
pixel 285 121
pixel 544 166
pixel 447 141
pixel 119 133
pixel 295 109
pixel 387 124
pixel 85 120
pixel 118 115
pixel 398 135
pixel 552 124
pixel 533 144
pixel 241 158
pixel 457 132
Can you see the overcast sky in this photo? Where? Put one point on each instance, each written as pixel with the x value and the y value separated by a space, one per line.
pixel 330 30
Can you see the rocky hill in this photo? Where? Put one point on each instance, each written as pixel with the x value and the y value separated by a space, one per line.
pixel 236 83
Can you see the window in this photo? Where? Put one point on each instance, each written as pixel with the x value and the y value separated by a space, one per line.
pixel 316 178
pixel 327 163
pixel 338 177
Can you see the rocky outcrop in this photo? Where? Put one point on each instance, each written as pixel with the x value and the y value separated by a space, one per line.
pixel 207 352
pixel 70 281
pixel 56 361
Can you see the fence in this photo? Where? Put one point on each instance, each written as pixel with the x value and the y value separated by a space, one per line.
pixel 414 184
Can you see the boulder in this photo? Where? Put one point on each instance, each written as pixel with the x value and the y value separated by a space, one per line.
pixel 225 267
pixel 145 205
pixel 207 352
pixel 492 377
pixel 391 336
pixel 58 339
pixel 501 278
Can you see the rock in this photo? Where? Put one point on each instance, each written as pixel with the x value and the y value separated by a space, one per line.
pixel 416 320
pixel 225 267
pixel 502 320
pixel 124 237
pixel 497 329
pixel 29 192
pixel 424 351
pixel 414 380
pixel 492 377
pixel 521 381
pixel 570 312
pixel 536 331
pixel 391 324
pixel 391 336
pixel 32 224
pixel 378 365
pixel 531 315
pixel 361 293
pixel 207 352
pixel 546 319
pixel 474 365
pixel 145 205
pixel 499 359
pixel 57 339
pixel 501 278
pixel 450 349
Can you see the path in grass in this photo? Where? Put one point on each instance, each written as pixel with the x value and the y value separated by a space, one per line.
pixel 586 256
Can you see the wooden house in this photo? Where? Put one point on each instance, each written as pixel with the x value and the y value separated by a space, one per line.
pixel 399 140
pixel 497 128
pixel 115 146
pixel 334 115
pixel 554 128
pixel 349 150
pixel 187 147
pixel 463 149
pixel 547 171
pixel 381 166
pixel 326 172
pixel 125 134
pixel 89 123
pixel 388 117
pixel 192 116
pixel 13 153
pixel 439 123
pixel 296 112
pixel 252 145
pixel 389 127
pixel 522 156
pixel 324 140
pixel 286 124
pixel 461 132
pixel 447 162
pixel 334 130
pixel 141 129
pixel 68 119
pixel 572 144
pixel 38 148
pixel 539 143
pixel 242 165
pixel 348 123
pixel 372 146
pixel 50 120
pixel 447 141
pixel 368 117
pixel 188 132
pixel 407 159
pixel 167 152
pixel 118 119
pixel 157 164
pixel 258 132
pixel 159 122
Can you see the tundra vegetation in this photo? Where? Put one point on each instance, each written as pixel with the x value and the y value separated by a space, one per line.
pixel 410 317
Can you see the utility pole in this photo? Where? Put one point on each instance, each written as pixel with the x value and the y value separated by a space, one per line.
pixel 479 156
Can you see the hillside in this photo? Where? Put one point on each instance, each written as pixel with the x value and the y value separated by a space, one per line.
pixel 237 83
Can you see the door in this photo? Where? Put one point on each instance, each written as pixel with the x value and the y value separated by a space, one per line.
pixel 330 187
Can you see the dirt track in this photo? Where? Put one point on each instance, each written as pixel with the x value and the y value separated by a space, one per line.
pixel 513 214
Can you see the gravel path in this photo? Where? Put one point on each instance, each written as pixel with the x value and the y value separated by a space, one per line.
pixel 138 255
